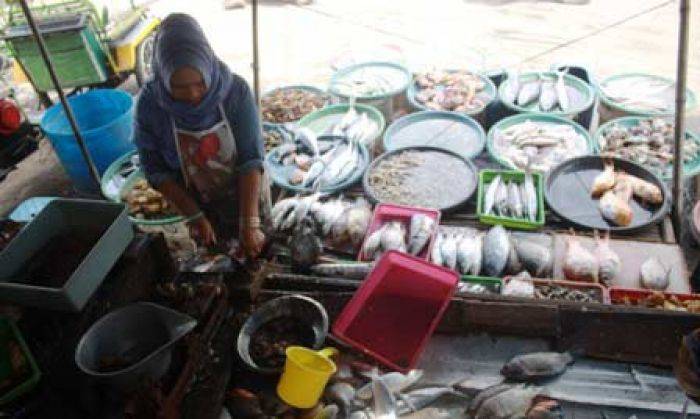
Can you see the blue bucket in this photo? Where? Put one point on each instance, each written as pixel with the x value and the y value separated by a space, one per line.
pixel 105 118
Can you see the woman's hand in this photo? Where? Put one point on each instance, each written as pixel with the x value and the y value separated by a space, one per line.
pixel 202 231
pixel 252 241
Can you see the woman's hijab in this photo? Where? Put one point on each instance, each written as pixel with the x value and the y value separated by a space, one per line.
pixel 180 43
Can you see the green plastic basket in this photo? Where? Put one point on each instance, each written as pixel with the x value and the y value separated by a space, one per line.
pixel 690 168
pixel 691 99
pixel 583 88
pixel 8 332
pixel 486 176
pixel 495 284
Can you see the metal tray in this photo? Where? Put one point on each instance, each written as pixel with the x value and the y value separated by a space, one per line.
pixel 567 192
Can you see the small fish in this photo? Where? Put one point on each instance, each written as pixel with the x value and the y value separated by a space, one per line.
pixel 502 199
pixel 579 263
pixel 511 403
pixel 469 254
pixel 512 87
pixel 373 243
pixel 314 172
pixel 562 94
pixel 515 206
pixel 420 232
pixel 615 209
pixel 449 251
pixel 536 259
pixel 531 194
pixel 536 365
pixel 308 139
pixel 394 237
pixel 495 251
pixel 423 397
pixel 343 394
pixel 436 253
pixel 490 196
pixel 350 270
pixel 654 275
pixel 604 181
pixel 609 263
pixel 548 96
pixel 384 401
pixel 529 93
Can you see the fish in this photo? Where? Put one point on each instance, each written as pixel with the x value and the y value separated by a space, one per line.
pixel 615 209
pixel 302 209
pixel 510 92
pixel 654 275
pixel 469 254
pixel 314 172
pixel 537 365
pixel 373 243
pixel 513 265
pixel 343 394
pixel 394 237
pixel 490 196
pixel 511 403
pixel 281 210
pixel 531 196
pixel 545 409
pixel 515 206
pixel 308 139
pixel 423 397
pixel 328 213
pixel 495 251
pixel 609 263
pixel 305 247
pixel 604 181
pixel 548 96
pixel 358 270
pixel 436 253
pixel 284 151
pixel 562 95
pixel 395 382
pixel 484 395
pixel 579 263
pixel 502 199
pixel 449 251
pixel 536 259
pixel 420 231
pixel 384 402
pixel 529 93
pixel 645 191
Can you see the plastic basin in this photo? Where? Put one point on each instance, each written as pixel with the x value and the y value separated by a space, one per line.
pixel 384 213
pixel 396 77
pixel 396 309
pixel 311 89
pixel 486 176
pixel 105 119
pixel 451 131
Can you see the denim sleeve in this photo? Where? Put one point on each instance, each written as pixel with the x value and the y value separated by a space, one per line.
pixel 147 144
pixel 245 123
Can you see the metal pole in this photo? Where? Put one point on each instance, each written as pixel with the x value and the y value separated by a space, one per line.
pixel 256 58
pixel 66 107
pixel 679 134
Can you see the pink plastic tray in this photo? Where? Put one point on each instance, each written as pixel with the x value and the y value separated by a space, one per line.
pixel 396 309
pixel 384 213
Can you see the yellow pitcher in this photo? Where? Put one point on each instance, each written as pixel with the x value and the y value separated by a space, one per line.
pixel 305 375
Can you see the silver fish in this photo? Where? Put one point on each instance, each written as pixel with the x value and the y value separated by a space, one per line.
pixel 515 206
pixel 418 399
pixel 529 93
pixel 420 231
pixel 281 210
pixel 350 270
pixel 436 253
pixel 302 210
pixel 330 411
pixel 512 87
pixel 654 275
pixel 449 251
pixel 495 251
pixel 343 394
pixel 502 199
pixel 328 213
pixel 469 254
pixel 548 96
pixel 384 401
pixel 314 172
pixel 513 265
pixel 523 199
pixel 536 259
pixel 536 365
pixel 308 139
pixel 394 237
pixel 511 403
pixel 395 382
pixel 373 243
pixel 562 95
pixel 490 196
pixel 531 194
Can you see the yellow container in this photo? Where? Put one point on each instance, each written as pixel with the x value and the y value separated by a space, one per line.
pixel 305 375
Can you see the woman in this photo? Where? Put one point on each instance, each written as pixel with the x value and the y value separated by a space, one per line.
pixel 199 139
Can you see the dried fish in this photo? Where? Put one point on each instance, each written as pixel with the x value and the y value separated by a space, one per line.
pixel 654 275
pixel 564 293
pixel 579 263
pixel 536 365
pixel 144 202
pixel 604 181
pixel 664 301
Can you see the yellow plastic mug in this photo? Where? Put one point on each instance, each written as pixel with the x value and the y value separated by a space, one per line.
pixel 305 375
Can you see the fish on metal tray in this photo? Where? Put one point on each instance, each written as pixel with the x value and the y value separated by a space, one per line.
pixel 423 397
pixel 545 408
pixel 513 402
pixel 352 270
pixel 421 229
pixel 490 196
pixel 484 395
pixel 496 247
pixel 537 365
pixel 654 275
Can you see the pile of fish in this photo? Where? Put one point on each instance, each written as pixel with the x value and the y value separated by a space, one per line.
pixel 356 125
pixel 458 91
pixel 319 162
pixel 493 254
pixel 615 189
pixel 338 220
pixel 288 105
pixel 392 236
pixel 476 288
pixel 369 81
pixel 539 145
pixel 663 301
pixel 601 265
pixel 510 199
pixel 146 203
pixel 641 93
pixel 649 143
pixel 549 92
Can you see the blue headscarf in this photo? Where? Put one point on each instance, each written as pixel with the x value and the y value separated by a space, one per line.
pixel 181 42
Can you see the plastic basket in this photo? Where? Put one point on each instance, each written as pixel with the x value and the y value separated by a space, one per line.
pixel 486 176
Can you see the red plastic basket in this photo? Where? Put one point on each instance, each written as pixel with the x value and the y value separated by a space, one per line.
pixel 384 213
pixel 396 309
pixel 619 294
pixel 604 295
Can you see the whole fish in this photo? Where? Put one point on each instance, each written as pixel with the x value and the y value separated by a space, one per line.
pixel 281 210
pixel 314 172
pixel 654 275
pixel 343 394
pixel 609 263
pixel 531 195
pixel 308 139
pixel 502 199
pixel 495 251
pixel 529 93
pixel 604 181
pixel 384 401
pixel 548 96
pixel 523 199
pixel 302 210
pixel 562 94
pixel 420 232
pixel 373 243
pixel 449 251
pixel 328 213
pixel 515 206
pixel 484 395
pixel 645 191
pixel 511 403
pixel 359 215
pixel 579 263
pixel 436 253
pixel 305 247
pixel 536 365
pixel 536 259
pixel 490 196
pixel 394 237
pixel 418 399
pixel 469 254
pixel 513 265
pixel 395 382
pixel 358 270
pixel 510 93
pixel 615 209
